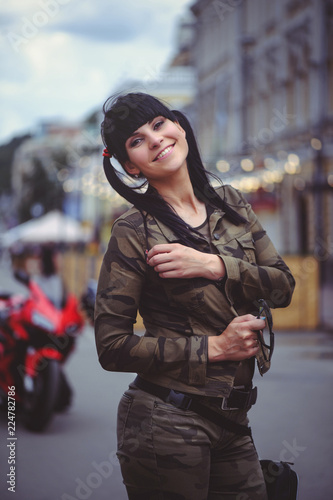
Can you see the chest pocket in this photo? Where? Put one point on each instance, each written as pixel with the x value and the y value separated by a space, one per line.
pixel 241 247
pixel 246 244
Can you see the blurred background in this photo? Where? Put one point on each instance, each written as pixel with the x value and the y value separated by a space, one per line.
pixel 255 78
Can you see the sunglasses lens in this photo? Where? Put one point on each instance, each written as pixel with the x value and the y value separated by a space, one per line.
pixel 267 335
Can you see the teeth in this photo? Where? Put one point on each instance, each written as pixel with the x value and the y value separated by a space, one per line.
pixel 164 152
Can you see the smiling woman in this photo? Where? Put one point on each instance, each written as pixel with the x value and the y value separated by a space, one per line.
pixel 194 261
pixel 157 149
pixel 124 117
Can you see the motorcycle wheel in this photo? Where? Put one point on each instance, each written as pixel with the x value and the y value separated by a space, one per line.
pixel 39 403
pixel 65 393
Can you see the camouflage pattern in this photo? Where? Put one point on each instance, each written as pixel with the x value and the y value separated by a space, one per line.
pixel 167 453
pixel 180 314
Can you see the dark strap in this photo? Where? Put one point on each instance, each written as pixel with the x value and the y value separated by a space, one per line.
pixel 242 399
pixel 186 402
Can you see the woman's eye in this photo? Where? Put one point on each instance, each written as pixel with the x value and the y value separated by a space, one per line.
pixel 158 124
pixel 134 143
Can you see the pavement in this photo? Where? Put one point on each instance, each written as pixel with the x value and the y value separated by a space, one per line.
pixel 293 417
pixel 74 458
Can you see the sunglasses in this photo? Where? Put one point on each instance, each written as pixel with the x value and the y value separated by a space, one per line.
pixel 266 341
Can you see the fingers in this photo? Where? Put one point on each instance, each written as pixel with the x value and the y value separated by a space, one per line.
pixel 251 343
pixel 160 258
pixel 242 319
pixel 256 324
pixel 159 254
pixel 249 322
pixel 161 249
pixel 242 336
pixel 174 261
pixel 224 347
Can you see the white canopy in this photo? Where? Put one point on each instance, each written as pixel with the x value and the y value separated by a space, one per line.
pixel 52 227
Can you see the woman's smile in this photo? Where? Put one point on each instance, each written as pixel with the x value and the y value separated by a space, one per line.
pixel 164 153
pixel 159 142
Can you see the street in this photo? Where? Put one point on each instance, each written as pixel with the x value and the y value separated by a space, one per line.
pixel 64 460
pixel 75 457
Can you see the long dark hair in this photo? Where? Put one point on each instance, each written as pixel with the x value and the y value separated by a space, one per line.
pixel 123 115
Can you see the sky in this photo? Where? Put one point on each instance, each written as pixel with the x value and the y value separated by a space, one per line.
pixel 61 59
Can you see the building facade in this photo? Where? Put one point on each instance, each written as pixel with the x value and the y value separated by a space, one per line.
pixel 264 113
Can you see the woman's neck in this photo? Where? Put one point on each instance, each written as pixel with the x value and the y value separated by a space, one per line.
pixel 177 191
pixel 186 205
pixel 194 213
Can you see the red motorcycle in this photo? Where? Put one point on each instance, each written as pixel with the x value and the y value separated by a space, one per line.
pixel 36 338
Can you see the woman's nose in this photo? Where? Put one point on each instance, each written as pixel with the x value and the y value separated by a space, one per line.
pixel 155 140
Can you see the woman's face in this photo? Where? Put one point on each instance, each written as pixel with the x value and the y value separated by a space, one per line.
pixel 158 149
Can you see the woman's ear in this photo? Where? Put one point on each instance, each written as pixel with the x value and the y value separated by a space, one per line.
pixel 130 168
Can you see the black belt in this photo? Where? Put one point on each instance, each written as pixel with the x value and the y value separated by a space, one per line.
pixel 238 399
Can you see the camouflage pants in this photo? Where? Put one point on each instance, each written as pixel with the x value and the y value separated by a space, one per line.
pixel 166 453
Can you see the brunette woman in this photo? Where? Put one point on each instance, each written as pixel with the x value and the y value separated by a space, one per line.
pixel 194 261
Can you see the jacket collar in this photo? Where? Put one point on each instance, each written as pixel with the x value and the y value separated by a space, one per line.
pixel 214 216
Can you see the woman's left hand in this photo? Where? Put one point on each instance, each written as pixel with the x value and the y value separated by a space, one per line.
pixel 178 261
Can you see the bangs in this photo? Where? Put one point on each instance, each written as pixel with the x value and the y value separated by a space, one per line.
pixel 123 115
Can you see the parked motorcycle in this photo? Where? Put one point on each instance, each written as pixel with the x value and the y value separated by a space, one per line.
pixel 36 339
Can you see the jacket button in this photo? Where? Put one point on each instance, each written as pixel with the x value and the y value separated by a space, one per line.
pixel 216 236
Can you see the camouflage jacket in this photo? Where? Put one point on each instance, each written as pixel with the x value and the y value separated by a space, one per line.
pixel 180 314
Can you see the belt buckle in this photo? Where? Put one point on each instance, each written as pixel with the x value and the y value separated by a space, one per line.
pixel 224 405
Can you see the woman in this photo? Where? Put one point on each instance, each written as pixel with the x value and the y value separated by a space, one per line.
pixel 194 261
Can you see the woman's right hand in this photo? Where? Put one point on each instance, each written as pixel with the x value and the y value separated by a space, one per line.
pixel 239 340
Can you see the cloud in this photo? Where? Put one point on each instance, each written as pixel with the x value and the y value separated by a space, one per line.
pixel 99 21
pixel 65 57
